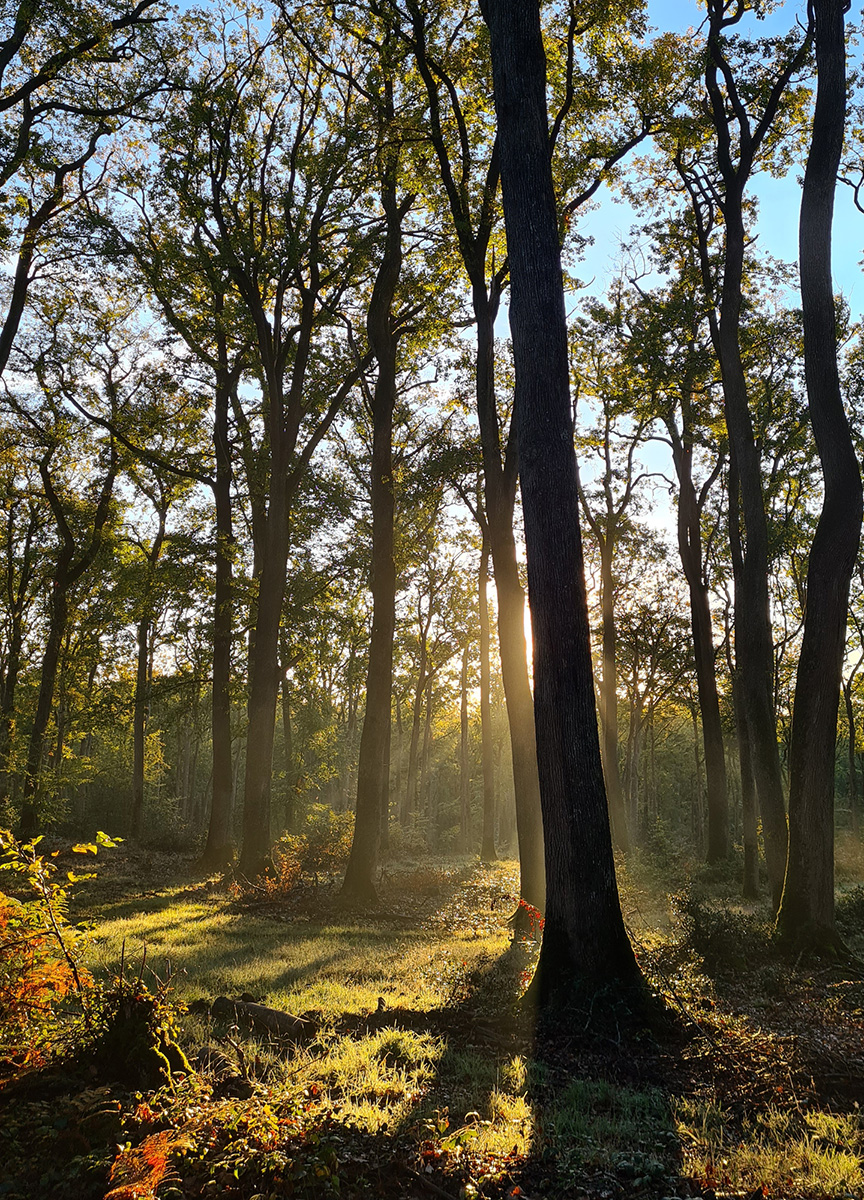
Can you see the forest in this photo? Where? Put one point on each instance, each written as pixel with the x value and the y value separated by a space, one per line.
pixel 431 611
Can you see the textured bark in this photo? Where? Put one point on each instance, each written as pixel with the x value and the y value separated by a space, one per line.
pixel 372 770
pixel 487 845
pixel 807 909
pixel 585 945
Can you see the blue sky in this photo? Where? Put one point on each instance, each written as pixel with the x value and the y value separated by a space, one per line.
pixel 778 199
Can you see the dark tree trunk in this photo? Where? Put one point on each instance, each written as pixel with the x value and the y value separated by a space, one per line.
pixel 690 550
pixel 807 910
pixel 749 813
pixel 487 846
pixel 585 945
pixel 7 702
pixel 385 789
pixel 372 771
pixel 264 682
pixel 219 850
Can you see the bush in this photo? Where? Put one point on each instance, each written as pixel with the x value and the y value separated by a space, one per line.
pixel 321 848
pixel 40 949
pixel 726 939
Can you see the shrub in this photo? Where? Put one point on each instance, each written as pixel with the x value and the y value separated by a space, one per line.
pixel 724 938
pixel 40 948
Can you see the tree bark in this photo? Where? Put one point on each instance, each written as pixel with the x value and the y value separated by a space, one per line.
pixel 372 771
pixel 585 945
pixel 807 909
pixel 487 845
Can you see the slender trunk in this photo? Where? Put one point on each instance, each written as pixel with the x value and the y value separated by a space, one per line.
pixel 139 723
pixel 609 700
pixel 372 772
pixel 749 814
pixel 288 755
pixel 7 704
pixel 47 682
pixel 464 772
pixel 219 850
pixel 807 910
pixel 512 647
pixel 756 690
pixel 851 750
pixel 414 745
pixel 424 794
pixel 487 848
pixel 385 790
pixel 585 945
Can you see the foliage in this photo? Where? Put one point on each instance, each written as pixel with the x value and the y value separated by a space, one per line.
pixel 322 847
pixel 725 938
pixel 40 948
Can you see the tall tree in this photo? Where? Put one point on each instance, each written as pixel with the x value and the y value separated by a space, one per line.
pixel 807 908
pixel 585 944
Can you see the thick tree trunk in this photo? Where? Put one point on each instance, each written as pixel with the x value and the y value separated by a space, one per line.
pixel 487 845
pixel 264 683
pixel 585 945
pixel 219 850
pixel 609 700
pixel 372 772
pixel 807 909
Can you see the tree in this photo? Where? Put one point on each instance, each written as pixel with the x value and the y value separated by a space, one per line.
pixel 585 945
pixel 747 111
pixel 807 909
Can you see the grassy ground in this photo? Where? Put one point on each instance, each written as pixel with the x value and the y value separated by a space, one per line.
pixel 418 1075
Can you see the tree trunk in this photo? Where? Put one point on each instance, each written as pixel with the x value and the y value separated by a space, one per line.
pixel 372 772
pixel 500 498
pixel 264 683
pixel 464 769
pixel 690 550
pixel 139 723
pixel 754 665
pixel 414 745
pixel 585 945
pixel 851 749
pixel 609 700
pixel 807 910
pixel 47 680
pixel 219 850
pixel 487 846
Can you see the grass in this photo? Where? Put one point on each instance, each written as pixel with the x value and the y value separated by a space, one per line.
pixel 422 1074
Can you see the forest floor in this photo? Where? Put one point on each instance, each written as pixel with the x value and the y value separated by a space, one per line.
pixel 414 1073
